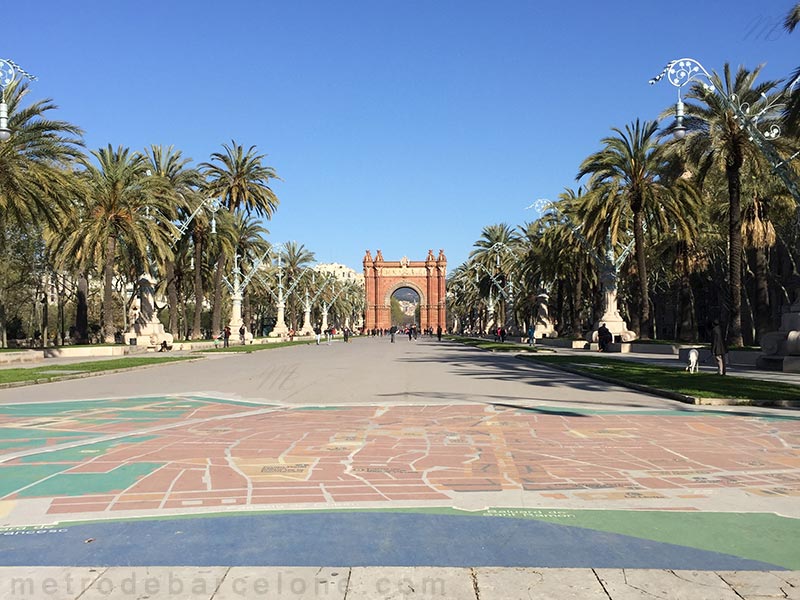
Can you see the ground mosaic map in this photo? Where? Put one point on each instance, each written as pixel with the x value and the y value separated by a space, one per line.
pixel 626 472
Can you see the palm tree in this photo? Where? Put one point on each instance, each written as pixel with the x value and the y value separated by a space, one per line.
pixel 250 247
pixel 716 140
pixel 564 254
pixel 179 180
pixel 36 179
pixel 114 220
pixel 295 258
pixel 793 107
pixel 497 253
pixel 627 178
pixel 241 179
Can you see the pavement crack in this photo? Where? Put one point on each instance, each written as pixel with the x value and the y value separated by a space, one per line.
pixel 602 585
pixel 474 576
pixel 733 589
pixel 219 582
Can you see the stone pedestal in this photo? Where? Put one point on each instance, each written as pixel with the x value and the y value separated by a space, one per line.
pixel 146 330
pixel 306 329
pixel 236 320
pixel 611 317
pixel 543 326
pixel 781 349
pixel 280 328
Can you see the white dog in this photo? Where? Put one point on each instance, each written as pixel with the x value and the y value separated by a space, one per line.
pixel 694 359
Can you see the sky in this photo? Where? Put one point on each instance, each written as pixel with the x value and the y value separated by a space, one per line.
pixel 400 125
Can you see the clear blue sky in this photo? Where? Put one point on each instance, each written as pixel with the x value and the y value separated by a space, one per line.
pixel 402 125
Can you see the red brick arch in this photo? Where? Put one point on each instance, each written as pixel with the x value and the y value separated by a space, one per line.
pixel 383 278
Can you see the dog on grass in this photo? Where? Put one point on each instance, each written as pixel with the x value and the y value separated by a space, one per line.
pixel 694 360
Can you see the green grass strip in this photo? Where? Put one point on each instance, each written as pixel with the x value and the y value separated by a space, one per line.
pixel 698 385
pixel 46 373
pixel 258 347
pixel 491 345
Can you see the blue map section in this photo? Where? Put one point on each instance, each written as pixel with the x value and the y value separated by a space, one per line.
pixel 353 539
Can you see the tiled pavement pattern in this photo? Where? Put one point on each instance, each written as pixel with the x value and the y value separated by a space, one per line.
pixel 392 583
pixel 173 455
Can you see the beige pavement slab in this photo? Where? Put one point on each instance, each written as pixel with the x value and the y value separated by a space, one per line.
pixel 542 584
pixel 410 583
pixel 291 583
pixel 642 584
pixel 390 583
pixel 127 583
pixel 753 586
pixel 56 583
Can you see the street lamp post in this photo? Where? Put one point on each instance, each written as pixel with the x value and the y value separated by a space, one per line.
pixel 780 349
pixel 237 287
pixel 8 74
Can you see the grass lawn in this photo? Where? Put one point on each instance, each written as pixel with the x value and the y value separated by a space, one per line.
pixel 699 385
pixel 256 347
pixel 493 346
pixel 47 373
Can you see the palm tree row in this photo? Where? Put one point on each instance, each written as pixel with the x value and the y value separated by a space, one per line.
pixel 111 214
pixel 713 231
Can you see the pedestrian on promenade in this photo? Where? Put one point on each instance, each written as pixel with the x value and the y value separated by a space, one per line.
pixel 503 334
pixel 439 332
pixel 392 332
pixel 718 348
pixel 318 333
pixel 226 336
pixel 604 338
pixel 531 334
pixel 242 331
pixel 346 335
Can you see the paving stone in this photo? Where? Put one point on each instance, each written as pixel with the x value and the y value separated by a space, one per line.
pixel 758 585
pixel 56 583
pixel 284 583
pixel 127 583
pixel 410 583
pixel 636 584
pixel 541 584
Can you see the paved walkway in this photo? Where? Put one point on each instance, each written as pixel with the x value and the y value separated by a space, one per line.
pixel 387 459
pixel 395 583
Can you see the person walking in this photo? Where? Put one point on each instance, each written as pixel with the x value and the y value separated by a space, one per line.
pixel 531 334
pixel 392 332
pixel 226 336
pixel 718 348
pixel 318 333
pixel 439 332
pixel 242 331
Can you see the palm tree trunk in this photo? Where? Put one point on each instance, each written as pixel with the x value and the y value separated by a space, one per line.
pixel 247 312
pixel 216 318
pixel 82 310
pixel 687 331
pixel 762 319
pixel 577 302
pixel 108 291
pixel 735 253
pixel 172 298
pixel 198 289
pixel 641 266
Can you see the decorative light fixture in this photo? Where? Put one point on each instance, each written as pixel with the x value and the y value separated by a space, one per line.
pixel 8 73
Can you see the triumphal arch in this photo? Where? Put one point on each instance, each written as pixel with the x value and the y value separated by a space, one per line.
pixel 383 278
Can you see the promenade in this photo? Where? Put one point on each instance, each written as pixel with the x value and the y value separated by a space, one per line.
pixel 374 470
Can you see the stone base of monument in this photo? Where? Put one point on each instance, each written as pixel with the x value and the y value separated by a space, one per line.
pixel 781 349
pixel 147 335
pixel 618 328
